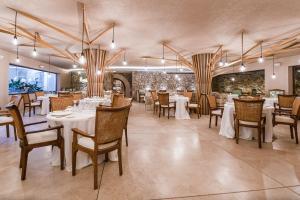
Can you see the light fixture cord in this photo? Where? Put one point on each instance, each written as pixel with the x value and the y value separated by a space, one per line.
pixel 221 54
pixel 16 23
pixel 124 57
pixel 113 38
pixel 49 65
pixel 82 36
pixel 273 63
pixel 242 48
pixel 163 51
pixel 34 40
pixel 17 51
pixel 261 50
pixel 226 57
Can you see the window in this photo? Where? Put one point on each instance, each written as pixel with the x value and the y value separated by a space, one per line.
pixel 23 79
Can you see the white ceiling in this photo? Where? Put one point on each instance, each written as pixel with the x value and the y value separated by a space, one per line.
pixel 191 26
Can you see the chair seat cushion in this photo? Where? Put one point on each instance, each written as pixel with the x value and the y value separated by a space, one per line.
pixel 250 123
pixel 217 112
pixel 157 103
pixel 40 137
pixel 284 119
pixel 170 105
pixel 5 119
pixel 193 105
pixel 36 103
pixel 89 143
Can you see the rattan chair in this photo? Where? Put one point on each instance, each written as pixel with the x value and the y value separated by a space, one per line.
pixel 248 113
pixel 60 103
pixel 141 95
pixel 195 106
pixel 214 109
pixel 64 94
pixel 285 103
pixel 164 103
pixel 76 95
pixel 250 97
pixel 35 139
pixel 289 119
pixel 127 101
pixel 28 103
pixel 6 120
pixel 39 94
pixel 109 125
pixel 154 97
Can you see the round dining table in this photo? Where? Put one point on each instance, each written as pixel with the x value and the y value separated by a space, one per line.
pixel 227 124
pixel 83 120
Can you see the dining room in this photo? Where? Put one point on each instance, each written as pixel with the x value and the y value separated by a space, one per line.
pixel 136 99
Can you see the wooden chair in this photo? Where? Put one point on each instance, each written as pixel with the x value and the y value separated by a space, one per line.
pixel 250 97
pixel 118 100
pixel 214 110
pixel 141 95
pixel 60 103
pixel 109 125
pixel 164 103
pixel 154 97
pixel 76 95
pixel 285 103
pixel 39 94
pixel 64 94
pixel 195 106
pixel 35 139
pixel 290 119
pixel 249 114
pixel 6 120
pixel 28 103
pixel 127 101
pixel 15 100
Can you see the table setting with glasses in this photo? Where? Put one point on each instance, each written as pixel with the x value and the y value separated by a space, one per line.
pixel 227 123
pixel 81 116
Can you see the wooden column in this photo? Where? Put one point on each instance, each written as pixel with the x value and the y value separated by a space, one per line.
pixel 203 77
pixel 95 61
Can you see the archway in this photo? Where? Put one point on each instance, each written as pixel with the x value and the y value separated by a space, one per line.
pixel 126 84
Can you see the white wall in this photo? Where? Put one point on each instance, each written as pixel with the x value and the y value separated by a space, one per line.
pixel 284 78
pixel 6 58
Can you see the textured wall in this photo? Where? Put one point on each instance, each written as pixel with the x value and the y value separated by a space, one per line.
pixel 158 80
pixel 245 81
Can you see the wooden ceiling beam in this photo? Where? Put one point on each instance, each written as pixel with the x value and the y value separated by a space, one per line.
pixel 100 34
pixel 114 57
pixel 182 59
pixel 41 21
pixel 157 58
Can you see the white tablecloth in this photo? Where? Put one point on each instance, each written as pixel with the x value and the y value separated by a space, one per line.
pixel 230 97
pixel 227 124
pixel 85 121
pixel 92 103
pixel 181 102
pixel 45 103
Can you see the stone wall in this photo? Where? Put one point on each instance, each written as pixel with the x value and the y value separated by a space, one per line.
pixel 158 80
pixel 245 81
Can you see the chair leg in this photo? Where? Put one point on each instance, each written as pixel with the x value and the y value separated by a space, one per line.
pixel 291 131
pixel 74 155
pixel 95 165
pixel 24 164
pixel 198 112
pixel 34 110
pixel 106 157
pixel 29 111
pixel 120 160
pixel 62 154
pixel 259 137
pixel 24 110
pixel 168 113
pixel 264 134
pixel 126 137
pixel 21 158
pixel 159 110
pixel 296 134
pixel 237 133
pixel 209 121
pixel 7 130
pixel 15 132
pixel 216 123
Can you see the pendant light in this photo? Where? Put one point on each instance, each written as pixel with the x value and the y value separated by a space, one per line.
pixel 113 44
pixel 74 65
pixel 17 58
pixel 232 78
pixel 163 56
pixel 82 58
pixel 221 64
pixel 164 71
pixel 124 59
pixel 260 59
pixel 242 67
pixel 226 60
pixel 181 69
pixel 34 52
pixel 15 39
pixel 273 74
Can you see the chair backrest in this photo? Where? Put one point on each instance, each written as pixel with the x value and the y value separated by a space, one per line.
pixel 109 124
pixel 15 100
pixel 286 101
pixel 76 95
pixel 296 108
pixel 39 93
pixel 117 100
pixel 249 97
pixel 180 92
pixel 154 95
pixel 161 91
pixel 18 122
pixel 212 101
pixel 60 103
pixel 248 110
pixel 188 94
pixel 26 98
pixel 163 98
pixel 64 94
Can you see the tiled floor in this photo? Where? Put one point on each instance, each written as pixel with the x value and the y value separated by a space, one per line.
pixel 165 159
